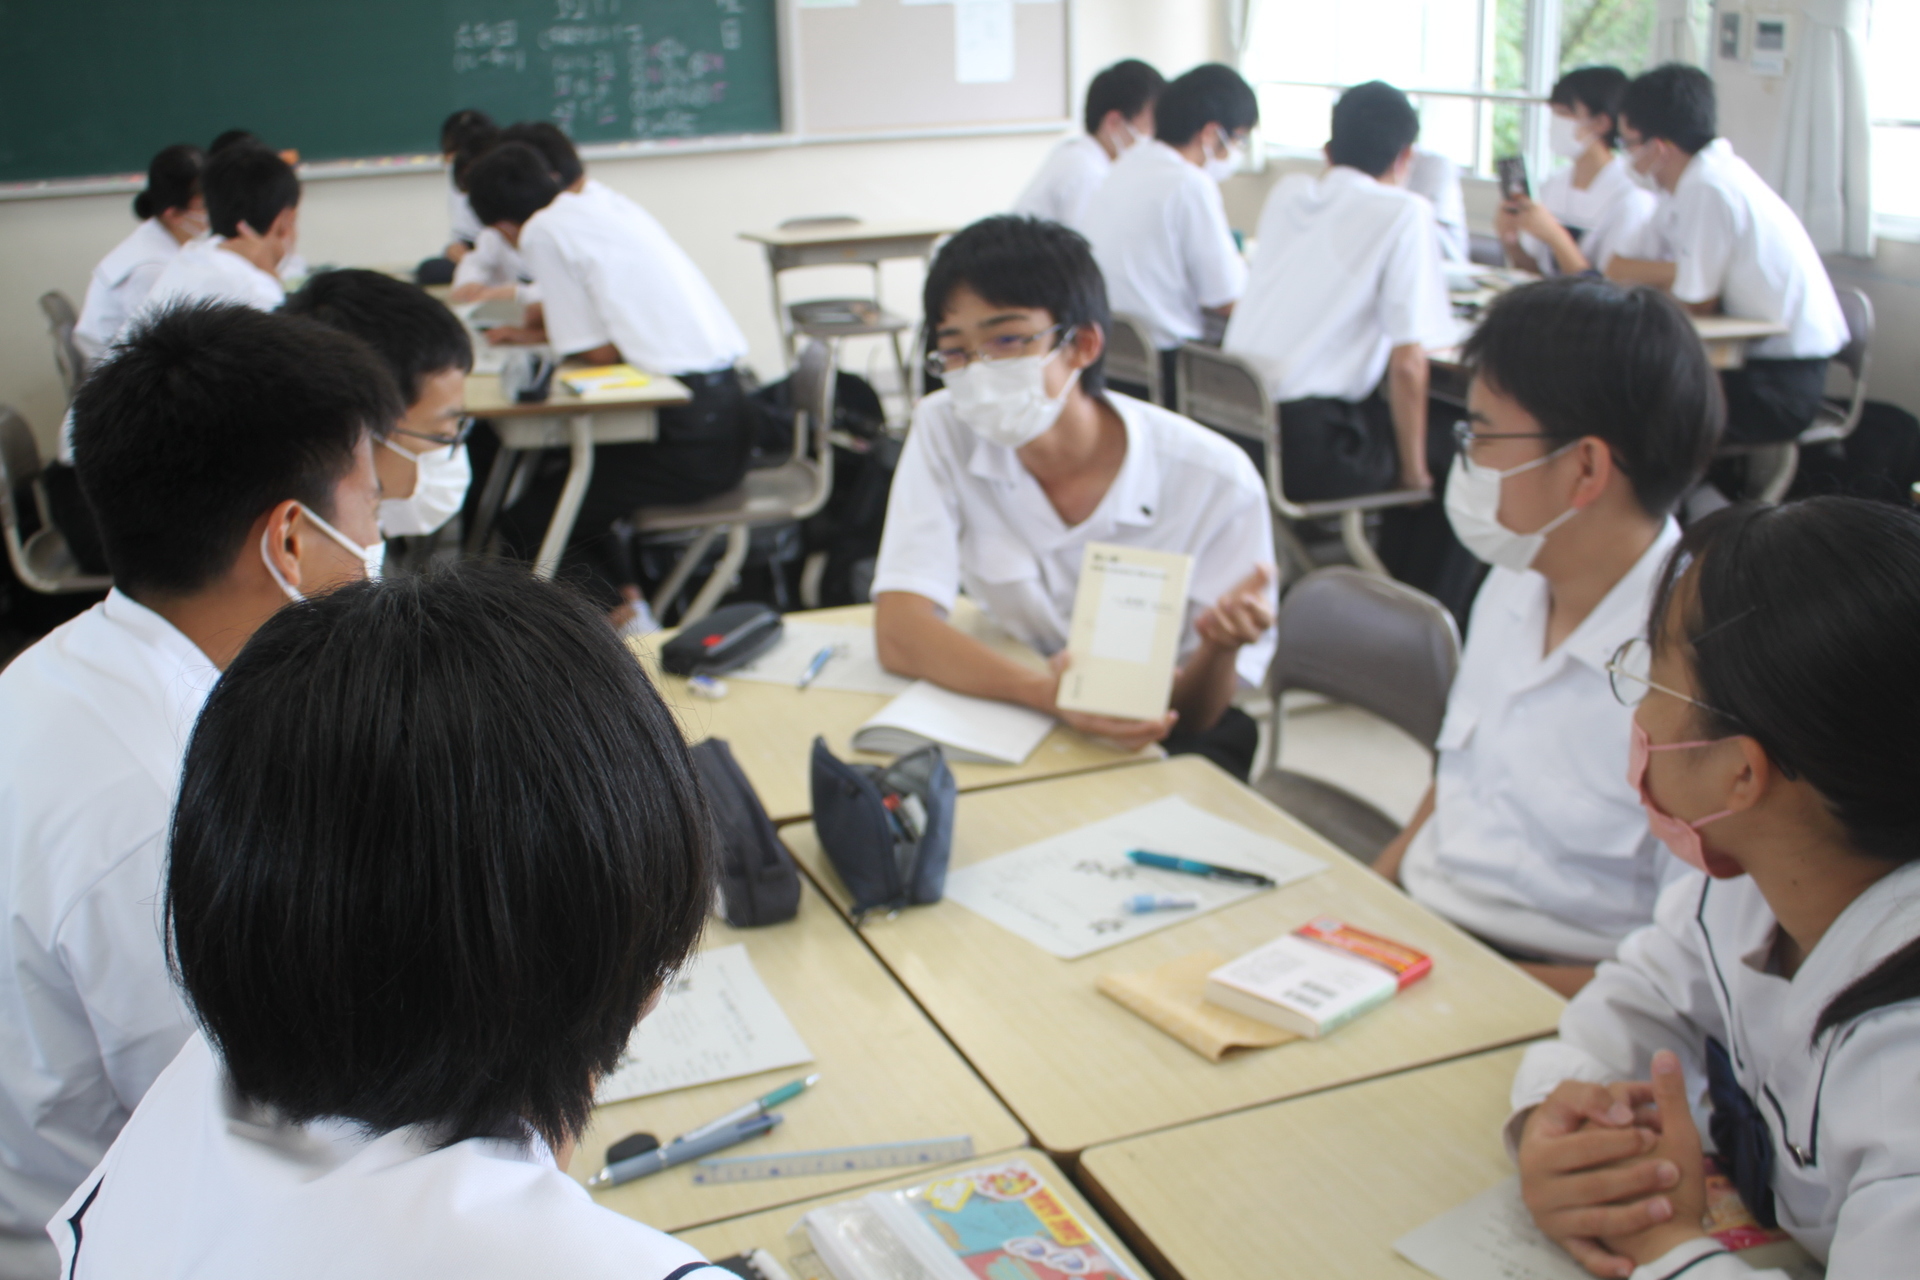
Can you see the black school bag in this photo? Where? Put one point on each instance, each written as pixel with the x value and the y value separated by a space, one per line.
pixel 754 874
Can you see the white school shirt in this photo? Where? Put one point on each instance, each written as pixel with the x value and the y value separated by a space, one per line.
pixel 608 272
pixel 1843 1110
pixel 1731 237
pixel 493 262
pixel 1067 179
pixel 1608 218
pixel 1348 268
pixel 1159 232
pixel 204 272
pixel 1438 179
pixel 97 717
pixel 463 224
pixel 1536 841
pixel 965 513
pixel 120 283
pixel 203 1184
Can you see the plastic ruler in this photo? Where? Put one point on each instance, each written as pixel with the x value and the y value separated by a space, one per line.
pixel 801 1164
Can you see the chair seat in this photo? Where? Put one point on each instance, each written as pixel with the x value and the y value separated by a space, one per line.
pixel 771 493
pixel 1339 815
pixel 844 318
pixel 1829 425
pixel 47 556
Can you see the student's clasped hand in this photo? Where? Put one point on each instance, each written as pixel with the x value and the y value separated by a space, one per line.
pixel 1614 1173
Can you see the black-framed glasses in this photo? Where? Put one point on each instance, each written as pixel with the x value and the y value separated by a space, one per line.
pixel 462 428
pixel 1002 346
pixel 1464 436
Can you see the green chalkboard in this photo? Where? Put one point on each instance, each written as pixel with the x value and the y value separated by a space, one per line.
pixel 97 86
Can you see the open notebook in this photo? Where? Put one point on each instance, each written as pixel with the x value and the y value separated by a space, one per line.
pixel 975 730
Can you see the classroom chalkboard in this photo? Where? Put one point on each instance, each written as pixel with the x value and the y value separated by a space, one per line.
pixel 97 86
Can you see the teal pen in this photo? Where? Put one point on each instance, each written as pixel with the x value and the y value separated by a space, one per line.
pixel 747 1111
pixel 1194 867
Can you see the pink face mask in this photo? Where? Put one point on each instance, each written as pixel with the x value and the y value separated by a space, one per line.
pixel 1678 835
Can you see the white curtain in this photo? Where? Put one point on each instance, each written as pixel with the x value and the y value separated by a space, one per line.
pixel 1239 29
pixel 1822 161
pixel 1673 39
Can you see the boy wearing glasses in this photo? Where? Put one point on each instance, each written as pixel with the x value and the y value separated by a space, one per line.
pixel 1024 458
pixel 1591 412
pixel 422 462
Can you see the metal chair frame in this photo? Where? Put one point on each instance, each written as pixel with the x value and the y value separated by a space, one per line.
pixel 42 559
pixel 1131 356
pixel 67 356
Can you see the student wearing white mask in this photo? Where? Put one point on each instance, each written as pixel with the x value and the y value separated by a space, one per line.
pixel 1592 208
pixel 1591 411
pixel 1119 116
pixel 1024 458
pixel 423 465
pixel 253 209
pixel 1771 1012
pixel 1158 225
pixel 213 446
pixel 172 213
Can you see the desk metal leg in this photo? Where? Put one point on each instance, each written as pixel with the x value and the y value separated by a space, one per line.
pixel 495 492
pixel 567 510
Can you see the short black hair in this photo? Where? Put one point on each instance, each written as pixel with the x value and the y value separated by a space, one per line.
pixel 1675 102
pixel 510 183
pixel 412 333
pixel 208 415
pixel 1372 124
pixel 464 127
pixel 250 185
pixel 1599 90
pixel 467 944
pixel 1014 261
pixel 1211 93
pixel 173 180
pixel 545 137
pixel 1586 357
pixel 1129 87
pixel 235 138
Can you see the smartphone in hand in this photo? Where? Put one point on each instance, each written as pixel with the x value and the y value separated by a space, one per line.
pixel 1512 171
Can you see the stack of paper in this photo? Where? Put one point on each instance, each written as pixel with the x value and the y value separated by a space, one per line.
pixel 977 730
pixel 854 667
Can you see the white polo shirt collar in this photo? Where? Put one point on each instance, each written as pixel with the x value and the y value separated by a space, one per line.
pixel 1131 499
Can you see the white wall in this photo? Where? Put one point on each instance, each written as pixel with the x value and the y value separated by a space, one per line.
pixel 705 201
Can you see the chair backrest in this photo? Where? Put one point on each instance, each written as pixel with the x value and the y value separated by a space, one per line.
pixel 1223 391
pixel 61 319
pixel 1371 642
pixel 19 465
pixel 810 389
pixel 1131 356
pixel 1857 355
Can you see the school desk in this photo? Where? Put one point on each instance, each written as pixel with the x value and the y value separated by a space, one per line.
pixel 563 420
pixel 886 1075
pixel 1725 337
pixel 771 727
pixel 768 1230
pixel 1079 1069
pixel 1317 1186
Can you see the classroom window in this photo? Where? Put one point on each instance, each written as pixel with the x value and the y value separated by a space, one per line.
pixel 1893 104
pixel 1478 70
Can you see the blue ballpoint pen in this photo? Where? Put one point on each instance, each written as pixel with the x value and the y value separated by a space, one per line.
pixel 1194 867
pixel 680 1152
pixel 814 668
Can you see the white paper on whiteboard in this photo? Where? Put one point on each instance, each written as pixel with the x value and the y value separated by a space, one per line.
pixel 1129 613
pixel 1067 894
pixel 983 41
pixel 717 1021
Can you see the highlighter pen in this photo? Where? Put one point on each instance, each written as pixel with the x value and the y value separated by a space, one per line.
pixel 1141 904
pixel 747 1111
pixel 1193 867
pixel 680 1152
pixel 814 667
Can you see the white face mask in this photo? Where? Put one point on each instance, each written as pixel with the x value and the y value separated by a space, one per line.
pixel 1220 168
pixel 1473 509
pixel 1563 136
pixel 372 558
pixel 441 477
pixel 1005 402
pixel 1644 181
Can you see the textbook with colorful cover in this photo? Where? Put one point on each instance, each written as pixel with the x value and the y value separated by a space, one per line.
pixel 1001 1220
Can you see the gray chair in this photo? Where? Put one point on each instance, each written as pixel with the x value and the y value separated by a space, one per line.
pixel 1131 356
pixel 1777 464
pixel 61 319
pixel 828 319
pixel 1370 642
pixel 793 490
pixel 1224 392
pixel 41 560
